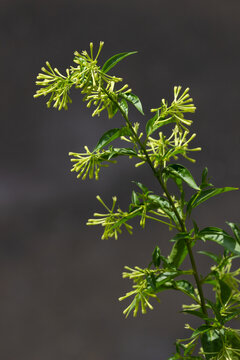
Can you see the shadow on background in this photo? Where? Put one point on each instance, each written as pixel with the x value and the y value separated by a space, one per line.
pixel 60 283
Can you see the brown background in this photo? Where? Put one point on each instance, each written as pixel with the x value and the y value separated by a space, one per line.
pixel 59 283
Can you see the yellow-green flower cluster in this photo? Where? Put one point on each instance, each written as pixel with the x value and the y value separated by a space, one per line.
pixel 96 85
pixel 109 220
pixel 88 163
pixel 141 291
pixel 175 112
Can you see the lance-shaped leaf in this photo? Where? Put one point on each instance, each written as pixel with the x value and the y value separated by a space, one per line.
pixel 111 135
pixel 142 187
pixel 180 172
pixel 185 286
pixel 236 230
pixel 162 203
pixel 155 123
pixel 134 100
pixel 114 152
pixel 156 256
pixel 212 343
pixel 225 291
pixel 179 250
pixel 112 61
pixel 124 107
pixel 204 195
pixel 221 237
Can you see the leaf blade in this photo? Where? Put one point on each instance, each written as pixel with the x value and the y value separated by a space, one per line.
pixel 179 171
pixel 112 61
pixel 204 195
pixel 111 135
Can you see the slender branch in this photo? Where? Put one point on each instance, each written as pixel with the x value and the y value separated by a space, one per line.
pixel 164 188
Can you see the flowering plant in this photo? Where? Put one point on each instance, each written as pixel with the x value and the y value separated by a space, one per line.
pixel 214 339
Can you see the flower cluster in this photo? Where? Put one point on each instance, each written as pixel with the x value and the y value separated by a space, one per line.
pixel 175 112
pixel 162 149
pixel 110 219
pixel 97 87
pixel 142 292
pixel 88 163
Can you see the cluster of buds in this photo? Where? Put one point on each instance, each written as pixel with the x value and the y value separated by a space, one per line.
pixel 96 85
pixel 88 163
pixel 109 220
pixel 162 149
pixel 141 290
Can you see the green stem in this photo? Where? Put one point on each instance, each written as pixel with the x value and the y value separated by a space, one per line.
pixel 164 188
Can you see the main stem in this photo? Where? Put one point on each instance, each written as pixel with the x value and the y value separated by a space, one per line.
pixel 181 223
pixel 164 188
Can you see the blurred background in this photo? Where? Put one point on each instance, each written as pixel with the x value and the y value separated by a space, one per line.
pixel 59 283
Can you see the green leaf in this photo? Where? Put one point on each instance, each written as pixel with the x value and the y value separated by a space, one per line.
pixel 185 286
pixel 114 152
pixel 178 253
pixel 164 278
pixel 154 123
pixel 134 100
pixel 212 343
pixel 156 256
pixel 179 171
pixel 211 255
pixel 215 308
pixel 226 291
pixel 141 186
pixel 135 200
pixel 234 314
pixel 112 61
pixel 221 237
pixel 205 181
pixel 163 204
pixel 124 107
pixel 236 230
pixel 111 135
pixel 204 195
pixel 200 330
pixel 196 313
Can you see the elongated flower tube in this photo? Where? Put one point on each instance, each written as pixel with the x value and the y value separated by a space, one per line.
pixel 95 84
pixel 110 219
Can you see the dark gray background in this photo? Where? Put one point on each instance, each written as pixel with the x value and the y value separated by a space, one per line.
pixel 59 283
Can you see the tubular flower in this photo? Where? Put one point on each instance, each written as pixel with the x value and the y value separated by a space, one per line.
pixel 96 85
pixel 110 220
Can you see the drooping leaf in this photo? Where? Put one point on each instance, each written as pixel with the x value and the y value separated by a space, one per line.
pixel 141 186
pixel 212 343
pixel 216 310
pixel 185 286
pixel 114 152
pixel 178 253
pixel 221 237
pixel 124 107
pixel 111 135
pixel 164 278
pixel 156 256
pixel 236 230
pixel 134 100
pixel 179 171
pixel 135 200
pixel 211 255
pixel 197 313
pixel 112 61
pixel 226 291
pixel 164 205
pixel 204 195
